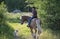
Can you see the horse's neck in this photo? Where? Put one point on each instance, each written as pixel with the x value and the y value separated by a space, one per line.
pixel 26 18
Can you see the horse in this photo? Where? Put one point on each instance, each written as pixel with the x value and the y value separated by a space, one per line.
pixel 34 26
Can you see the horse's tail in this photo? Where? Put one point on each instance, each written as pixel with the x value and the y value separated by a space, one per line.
pixel 38 25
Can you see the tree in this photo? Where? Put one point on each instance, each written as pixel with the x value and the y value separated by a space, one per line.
pixel 49 13
pixel 5 29
pixel 15 4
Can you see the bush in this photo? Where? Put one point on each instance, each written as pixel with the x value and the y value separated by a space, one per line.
pixel 5 29
pixel 48 12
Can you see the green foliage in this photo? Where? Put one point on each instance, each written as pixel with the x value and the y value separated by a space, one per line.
pixel 15 4
pixel 48 12
pixel 3 10
pixel 53 14
pixel 24 32
pixel 5 29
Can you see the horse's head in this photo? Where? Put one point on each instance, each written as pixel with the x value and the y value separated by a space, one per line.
pixel 23 19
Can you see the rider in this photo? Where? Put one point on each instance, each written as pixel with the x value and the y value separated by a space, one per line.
pixel 34 12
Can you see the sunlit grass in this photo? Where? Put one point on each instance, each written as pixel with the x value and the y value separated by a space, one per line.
pixel 25 32
pixel 15 15
pixel 49 34
pixel 22 30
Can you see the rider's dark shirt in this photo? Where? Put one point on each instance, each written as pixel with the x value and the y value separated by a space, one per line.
pixel 34 13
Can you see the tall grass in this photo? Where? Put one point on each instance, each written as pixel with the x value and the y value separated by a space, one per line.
pixel 24 32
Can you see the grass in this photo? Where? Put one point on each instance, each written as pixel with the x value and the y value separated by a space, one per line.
pixel 24 32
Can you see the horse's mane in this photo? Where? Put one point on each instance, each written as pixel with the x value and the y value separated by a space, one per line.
pixel 26 18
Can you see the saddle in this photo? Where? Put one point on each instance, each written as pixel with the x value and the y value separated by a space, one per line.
pixel 34 21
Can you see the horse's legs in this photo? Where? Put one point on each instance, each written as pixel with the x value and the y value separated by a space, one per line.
pixel 35 30
pixel 39 28
pixel 31 31
pixel 33 34
pixel 38 35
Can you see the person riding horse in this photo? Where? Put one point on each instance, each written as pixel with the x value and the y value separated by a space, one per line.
pixel 34 23
pixel 34 12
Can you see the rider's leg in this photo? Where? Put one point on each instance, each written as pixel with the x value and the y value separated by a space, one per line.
pixel 29 21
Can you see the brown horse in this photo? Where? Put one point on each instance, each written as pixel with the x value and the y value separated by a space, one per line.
pixel 34 26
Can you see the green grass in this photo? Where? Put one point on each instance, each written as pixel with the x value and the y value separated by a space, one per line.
pixel 15 17
pixel 24 32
